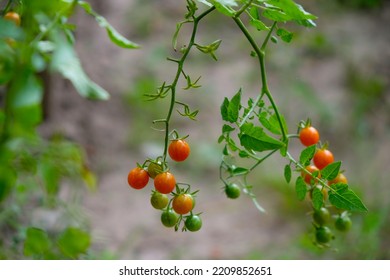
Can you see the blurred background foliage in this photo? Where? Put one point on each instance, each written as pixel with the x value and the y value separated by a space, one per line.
pixel 337 74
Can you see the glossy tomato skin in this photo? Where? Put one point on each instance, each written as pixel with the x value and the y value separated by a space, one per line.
pixel 323 235
pixel 193 223
pixel 138 178
pixel 165 182
pixel 343 223
pixel 183 203
pixel 321 216
pixel 169 218
pixel 232 191
pixel 309 136
pixel 322 158
pixel 158 200
pixel 179 150
pixel 14 17
pixel 306 177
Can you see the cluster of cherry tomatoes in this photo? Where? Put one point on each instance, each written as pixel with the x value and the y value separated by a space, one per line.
pixel 322 217
pixel 176 203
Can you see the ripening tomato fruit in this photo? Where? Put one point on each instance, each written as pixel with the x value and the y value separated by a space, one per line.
pixel 312 169
pixel 193 223
pixel 138 178
pixel 340 178
pixel 179 150
pixel 232 191
pixel 154 168
pixel 165 182
pixel 169 218
pixel 14 17
pixel 183 203
pixel 309 136
pixel 323 235
pixel 158 200
pixel 322 158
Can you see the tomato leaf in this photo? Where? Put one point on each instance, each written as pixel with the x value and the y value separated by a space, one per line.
pixel 74 242
pixel 331 171
pixel 37 242
pixel 300 188
pixel 287 173
pixel 258 24
pixel 307 154
pixel 343 198
pixel 227 128
pixel 286 36
pixel 291 9
pixel 254 138
pixel 317 198
pixel 239 171
pixel 66 62
pixel 230 109
pixel 112 33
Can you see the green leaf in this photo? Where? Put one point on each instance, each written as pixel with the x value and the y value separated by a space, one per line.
pixel 275 15
pixel 307 154
pixel 37 242
pixel 300 188
pixel 227 128
pixel 287 173
pixel 74 242
pixel 239 171
pixel 205 2
pixel 258 24
pixel 114 35
pixel 230 109
pixel 51 177
pixel 223 6
pixel 331 171
pixel 272 123
pixel 66 62
pixel 254 138
pixel 343 198
pixel 7 181
pixel 317 198
pixel 285 35
pixel 291 9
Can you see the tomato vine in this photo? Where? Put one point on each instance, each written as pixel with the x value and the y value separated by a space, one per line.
pixel 256 130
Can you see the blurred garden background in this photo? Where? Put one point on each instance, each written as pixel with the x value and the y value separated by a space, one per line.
pixel 336 74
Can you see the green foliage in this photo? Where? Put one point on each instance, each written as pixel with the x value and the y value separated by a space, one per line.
pixel 33 169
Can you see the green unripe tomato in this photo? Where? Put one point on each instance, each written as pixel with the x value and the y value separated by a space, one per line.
pixel 321 216
pixel 343 223
pixel 154 168
pixel 232 191
pixel 193 223
pixel 159 200
pixel 169 218
pixel 323 235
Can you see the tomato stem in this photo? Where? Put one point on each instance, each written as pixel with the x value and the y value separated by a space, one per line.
pixel 180 71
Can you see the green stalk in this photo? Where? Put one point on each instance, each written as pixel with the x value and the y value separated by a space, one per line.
pixel 260 52
pixel 178 73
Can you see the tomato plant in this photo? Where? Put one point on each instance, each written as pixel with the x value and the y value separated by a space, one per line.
pixel 169 218
pixel 254 128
